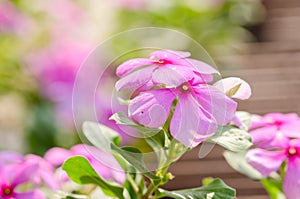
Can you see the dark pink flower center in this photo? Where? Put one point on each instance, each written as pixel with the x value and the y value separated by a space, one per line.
pixel 293 151
pixel 6 190
pixel 161 62
pixel 185 88
pixel 278 123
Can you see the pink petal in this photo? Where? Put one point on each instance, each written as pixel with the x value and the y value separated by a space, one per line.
pixel 36 194
pixel 291 129
pixel 291 182
pixel 56 156
pixel 202 67
pixel 132 64
pixel 225 85
pixel 265 161
pixel 152 108
pixel 169 55
pixel 281 117
pixel 259 121
pixel 200 78
pixel 190 124
pixel 172 75
pixel 9 157
pixel 24 173
pixel 221 107
pixel 269 137
pixel 136 79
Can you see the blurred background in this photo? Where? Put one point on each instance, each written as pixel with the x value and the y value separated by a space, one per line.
pixel 43 44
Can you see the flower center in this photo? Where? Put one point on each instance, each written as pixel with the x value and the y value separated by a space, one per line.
pixel 185 87
pixel 7 190
pixel 292 151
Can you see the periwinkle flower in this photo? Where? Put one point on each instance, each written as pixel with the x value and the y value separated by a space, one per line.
pixel 14 178
pixel 199 110
pixel 43 171
pixel 270 129
pixel 168 76
pixel 267 161
pixel 170 68
pixel 103 163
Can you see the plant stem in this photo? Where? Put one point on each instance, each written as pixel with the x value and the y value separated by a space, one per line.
pixel 172 154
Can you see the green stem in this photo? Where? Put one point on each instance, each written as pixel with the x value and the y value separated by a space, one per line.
pixel 161 172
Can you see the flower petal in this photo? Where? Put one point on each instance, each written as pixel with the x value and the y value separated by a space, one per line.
pixel 23 173
pixel 172 75
pixel 136 79
pixel 36 194
pixel 234 87
pixel 269 137
pixel 56 156
pixel 201 66
pixel 132 64
pixel 216 103
pixel 265 161
pixel 9 157
pixel 171 56
pixel 152 108
pixel 291 128
pixel 291 182
pixel 190 124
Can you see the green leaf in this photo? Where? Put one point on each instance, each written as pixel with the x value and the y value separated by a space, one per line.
pixel 100 135
pixel 239 163
pixel 215 190
pixel 274 188
pixel 233 139
pixel 122 119
pixel 80 171
pixel 135 157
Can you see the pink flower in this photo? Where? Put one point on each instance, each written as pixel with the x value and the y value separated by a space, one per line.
pixel 199 111
pixel 269 130
pixel 267 161
pixel 14 176
pixel 43 173
pixel 103 163
pixel 164 67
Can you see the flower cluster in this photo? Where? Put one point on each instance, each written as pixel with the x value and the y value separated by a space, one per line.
pixel 277 139
pixel 23 176
pixel 171 77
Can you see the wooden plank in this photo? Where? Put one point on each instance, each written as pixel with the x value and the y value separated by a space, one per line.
pixel 256 61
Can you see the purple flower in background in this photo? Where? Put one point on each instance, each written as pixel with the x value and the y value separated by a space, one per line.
pixel 268 161
pixel 199 111
pixel 270 129
pixel 103 163
pixel 164 67
pixel 14 176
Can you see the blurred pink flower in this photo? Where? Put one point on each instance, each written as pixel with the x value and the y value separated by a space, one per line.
pixel 103 163
pixel 8 16
pixel 269 131
pixel 13 176
pixel 43 172
pixel 170 68
pixel 267 161
pixel 199 111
